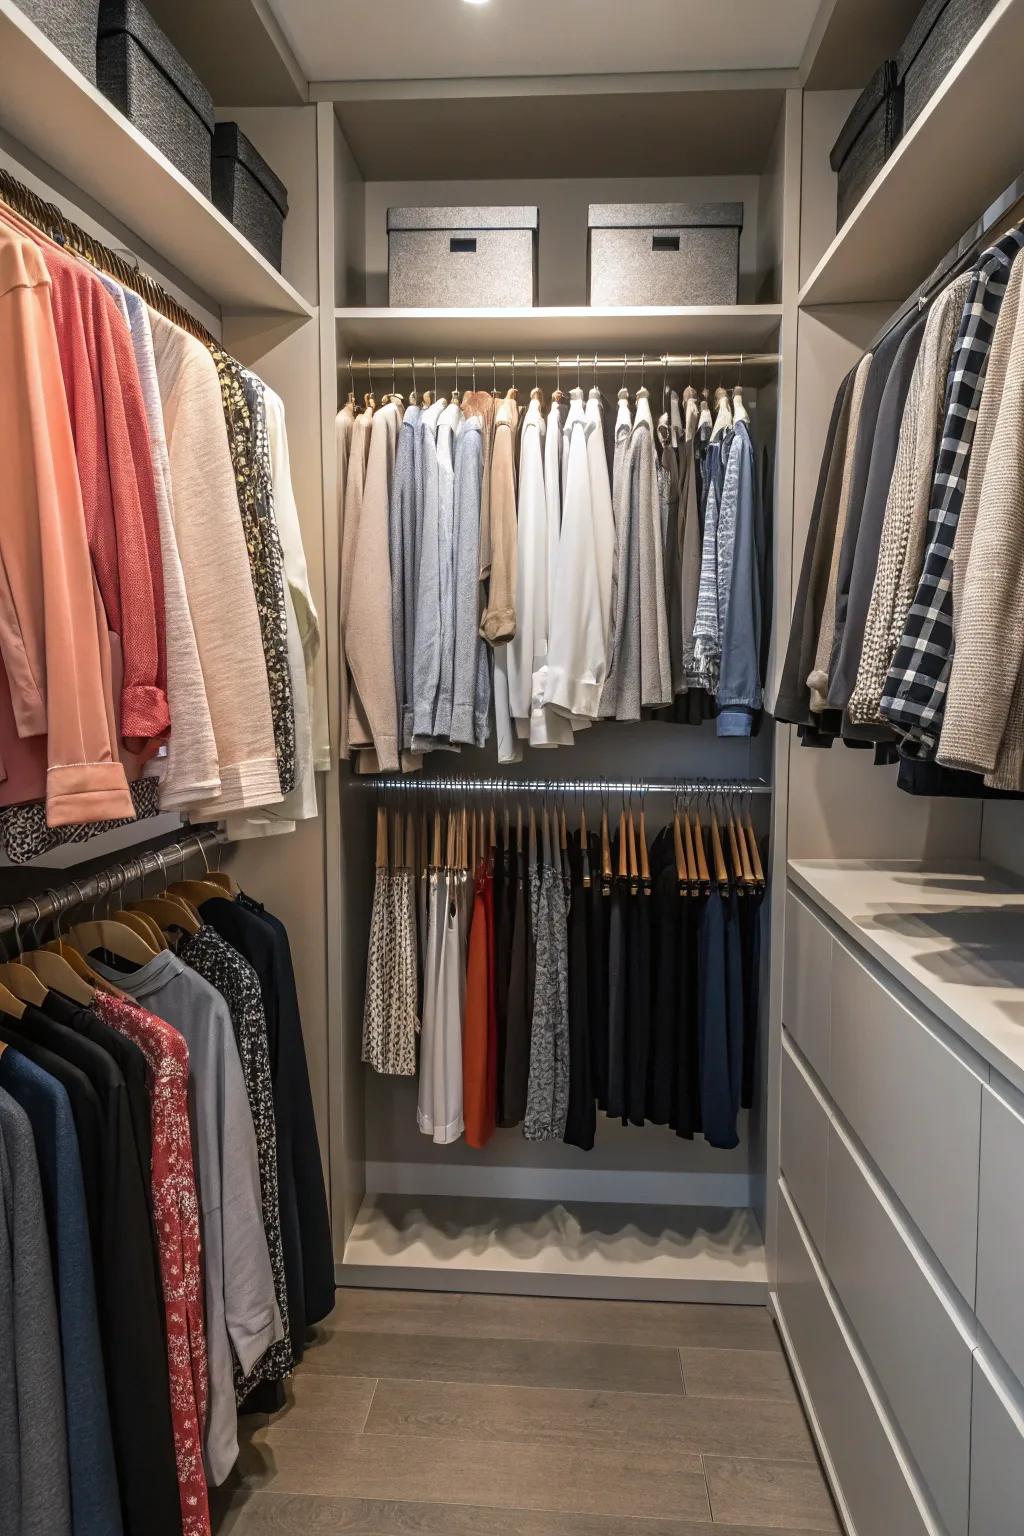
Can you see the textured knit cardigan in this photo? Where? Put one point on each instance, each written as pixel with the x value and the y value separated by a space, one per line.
pixel 904 527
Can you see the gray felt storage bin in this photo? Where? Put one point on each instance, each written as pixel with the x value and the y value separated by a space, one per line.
pixel 148 80
pixel 934 43
pixel 247 192
pixel 72 26
pixel 462 258
pixel 663 253
pixel 868 138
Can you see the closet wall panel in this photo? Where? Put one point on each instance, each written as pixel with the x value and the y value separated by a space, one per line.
pixel 1001 1225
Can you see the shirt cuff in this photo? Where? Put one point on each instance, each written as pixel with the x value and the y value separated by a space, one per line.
pixel 145 716
pixel 86 792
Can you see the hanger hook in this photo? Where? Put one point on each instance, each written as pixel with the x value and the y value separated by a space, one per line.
pixel 578 384
pixel 369 376
pixel 558 371
pixel 474 375
pixel 15 929
pixel 536 373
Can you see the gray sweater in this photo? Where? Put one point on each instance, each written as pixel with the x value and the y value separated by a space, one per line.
pixel 34 1455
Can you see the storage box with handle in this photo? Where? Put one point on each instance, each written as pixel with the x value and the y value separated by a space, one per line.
pixel 247 192
pixel 664 253
pixel 147 79
pixel 868 138
pixel 462 258
pixel 934 43
pixel 72 26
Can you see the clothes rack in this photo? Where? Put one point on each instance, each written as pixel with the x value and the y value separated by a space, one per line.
pixel 52 903
pixel 452 784
pixel 581 362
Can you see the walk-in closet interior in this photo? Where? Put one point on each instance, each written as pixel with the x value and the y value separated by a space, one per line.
pixel 511 849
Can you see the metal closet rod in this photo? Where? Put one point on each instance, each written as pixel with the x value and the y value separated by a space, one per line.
pixel 582 362
pixel 52 903
pixel 452 784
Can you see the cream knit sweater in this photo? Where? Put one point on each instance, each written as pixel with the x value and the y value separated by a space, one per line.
pixel 368 631
pixel 901 551
pixel 218 580
pixel 983 727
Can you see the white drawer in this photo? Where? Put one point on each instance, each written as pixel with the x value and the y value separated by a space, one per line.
pixel 877 1492
pixel 806 981
pixel 915 1349
pixel 997 1462
pixel 804 1148
pixel 1001 1230
pixel 916 1107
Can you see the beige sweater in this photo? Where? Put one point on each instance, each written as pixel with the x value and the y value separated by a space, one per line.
pixel 368 631
pixel 901 551
pixel 817 682
pixel 211 545
pixel 498 624
pixel 983 727
pixel 353 480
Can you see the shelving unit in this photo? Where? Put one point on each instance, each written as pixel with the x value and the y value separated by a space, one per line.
pixel 935 183
pixel 64 120
pixel 682 330
pixel 950 932
pixel 575 1248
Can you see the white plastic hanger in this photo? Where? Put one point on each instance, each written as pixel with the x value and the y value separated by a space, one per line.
pixel 723 421
pixel 643 416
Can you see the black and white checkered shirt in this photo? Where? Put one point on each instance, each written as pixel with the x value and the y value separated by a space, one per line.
pixel 914 697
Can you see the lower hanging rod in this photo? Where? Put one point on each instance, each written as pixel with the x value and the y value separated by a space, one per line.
pixel 452 784
pixel 96 887
pixel 581 363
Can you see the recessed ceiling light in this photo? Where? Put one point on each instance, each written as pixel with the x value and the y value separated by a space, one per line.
pixel 476 2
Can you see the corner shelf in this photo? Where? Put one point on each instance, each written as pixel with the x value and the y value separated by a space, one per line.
pixel 64 120
pixel 963 150
pixel 682 329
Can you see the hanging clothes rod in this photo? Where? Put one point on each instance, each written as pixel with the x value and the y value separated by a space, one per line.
pixel 583 363
pixel 52 903
pixel 452 784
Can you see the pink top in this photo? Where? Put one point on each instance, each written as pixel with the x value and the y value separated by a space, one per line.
pixel 50 641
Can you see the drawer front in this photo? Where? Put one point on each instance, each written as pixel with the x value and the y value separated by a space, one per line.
pixel 1001 1230
pixel 804 1150
pixel 879 1497
pixel 915 1106
pixel 997 1462
pixel 806 983
pixel 920 1359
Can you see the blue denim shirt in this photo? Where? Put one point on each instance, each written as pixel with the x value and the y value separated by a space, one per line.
pixel 741 517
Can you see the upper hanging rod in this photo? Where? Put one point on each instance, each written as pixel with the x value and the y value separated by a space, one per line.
pixel 38 909
pixel 571 362
pixel 452 784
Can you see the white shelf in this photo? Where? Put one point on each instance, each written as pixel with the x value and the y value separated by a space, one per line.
pixel 681 330
pixel 951 933
pixel 577 1248
pixel 963 150
pixel 64 120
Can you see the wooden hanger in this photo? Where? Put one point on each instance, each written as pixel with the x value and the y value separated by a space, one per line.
pixel 117 937
pixel 734 850
pixel 223 879
pixel 563 831
pixel 698 844
pixel 11 1005
pixel 423 848
pixel 588 878
pixel 645 861
pixel 473 845
pixel 25 984
pixel 492 831
pixel 77 962
pixel 721 873
pixel 464 839
pixel 435 859
pixel 410 842
pixel 682 874
pixel 755 851
pixel 145 927
pixel 195 891
pixel 533 834
pixel 692 873
pixel 58 975
pixel 745 861
pixel 623 849
pixel 634 872
pixel 380 853
pixel 168 913
pixel 606 852
pixel 519 829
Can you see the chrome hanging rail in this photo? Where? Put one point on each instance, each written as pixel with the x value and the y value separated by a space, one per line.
pixel 582 363
pixel 53 903
pixel 390 784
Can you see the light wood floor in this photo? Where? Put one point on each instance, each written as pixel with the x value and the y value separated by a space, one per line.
pixel 420 1414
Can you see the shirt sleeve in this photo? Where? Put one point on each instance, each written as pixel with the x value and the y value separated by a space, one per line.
pixel 50 637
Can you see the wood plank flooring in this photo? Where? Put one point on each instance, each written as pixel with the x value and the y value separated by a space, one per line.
pixel 424 1414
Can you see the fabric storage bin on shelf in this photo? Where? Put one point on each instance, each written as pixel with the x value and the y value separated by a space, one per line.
pixel 934 43
pixel 72 26
pixel 247 192
pixel 664 253
pixel 868 138
pixel 148 80
pixel 462 258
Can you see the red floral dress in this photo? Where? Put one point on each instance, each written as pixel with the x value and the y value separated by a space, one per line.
pixel 176 1210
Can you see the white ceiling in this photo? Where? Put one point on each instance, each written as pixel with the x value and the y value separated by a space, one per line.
pixel 438 39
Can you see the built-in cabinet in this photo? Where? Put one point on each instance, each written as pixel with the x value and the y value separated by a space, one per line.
pixel 900 1242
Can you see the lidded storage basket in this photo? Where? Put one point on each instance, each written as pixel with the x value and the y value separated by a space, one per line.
pixel 247 192
pixel 462 258
pixel 934 43
pixel 72 26
pixel 148 80
pixel 664 253
pixel 868 138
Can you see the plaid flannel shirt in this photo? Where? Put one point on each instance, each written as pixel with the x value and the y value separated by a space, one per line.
pixel 914 697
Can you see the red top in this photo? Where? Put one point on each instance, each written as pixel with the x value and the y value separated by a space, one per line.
pixel 176 1210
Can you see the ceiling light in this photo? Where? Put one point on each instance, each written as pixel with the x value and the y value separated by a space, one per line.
pixel 476 2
